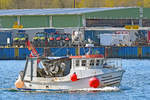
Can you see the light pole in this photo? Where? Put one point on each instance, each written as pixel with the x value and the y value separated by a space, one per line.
pixel 74 3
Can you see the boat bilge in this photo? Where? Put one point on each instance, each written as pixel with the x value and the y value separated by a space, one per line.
pixel 69 73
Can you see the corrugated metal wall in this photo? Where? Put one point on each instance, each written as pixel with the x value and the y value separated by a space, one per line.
pixel 146 13
pixel 130 13
pixel 146 52
pixel 109 52
pixel 34 21
pixel 7 53
pixel 62 51
pixel 121 52
pixel 67 21
pixel 71 20
pixel 7 21
pixel 23 53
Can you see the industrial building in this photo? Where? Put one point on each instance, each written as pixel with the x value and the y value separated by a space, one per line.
pixel 95 22
pixel 75 17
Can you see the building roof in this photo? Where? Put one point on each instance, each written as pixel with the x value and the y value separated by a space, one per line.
pixel 58 11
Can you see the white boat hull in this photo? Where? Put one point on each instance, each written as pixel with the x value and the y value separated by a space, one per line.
pixel 110 79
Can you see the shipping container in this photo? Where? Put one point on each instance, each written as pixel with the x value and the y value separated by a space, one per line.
pixel 93 50
pixel 21 31
pixel 115 39
pixel 62 51
pixel 111 52
pixel 40 51
pixel 6 38
pixel 146 52
pixel 23 53
pixel 50 30
pixel 106 39
pixel 91 34
pixel 131 52
pixel 71 51
pixel 7 53
pixel 122 52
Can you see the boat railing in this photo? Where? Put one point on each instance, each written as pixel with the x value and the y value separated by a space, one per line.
pixel 113 63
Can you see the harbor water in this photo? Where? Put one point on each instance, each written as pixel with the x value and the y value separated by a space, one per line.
pixel 135 84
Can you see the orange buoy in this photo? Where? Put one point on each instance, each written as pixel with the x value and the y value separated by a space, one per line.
pixel 73 77
pixel 94 82
pixel 19 84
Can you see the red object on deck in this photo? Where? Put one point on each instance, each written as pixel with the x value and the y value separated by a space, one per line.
pixel 67 39
pixel 94 82
pixel 74 77
pixel 58 38
pixel 51 38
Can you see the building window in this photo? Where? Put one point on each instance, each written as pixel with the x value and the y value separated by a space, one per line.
pixel 83 62
pixel 77 63
pixel 91 62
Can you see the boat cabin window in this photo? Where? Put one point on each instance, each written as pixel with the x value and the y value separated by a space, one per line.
pixel 77 63
pixel 97 62
pixel 91 62
pixel 83 62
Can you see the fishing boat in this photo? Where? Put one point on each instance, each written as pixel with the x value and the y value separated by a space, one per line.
pixel 68 72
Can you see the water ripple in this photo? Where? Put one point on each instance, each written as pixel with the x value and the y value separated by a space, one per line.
pixel 135 84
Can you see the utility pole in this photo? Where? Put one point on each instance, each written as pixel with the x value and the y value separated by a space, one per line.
pixel 74 3
pixel 141 16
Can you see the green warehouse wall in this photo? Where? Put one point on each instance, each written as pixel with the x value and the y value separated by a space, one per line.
pixel 146 13
pixel 115 14
pixel 67 21
pixel 34 21
pixel 7 21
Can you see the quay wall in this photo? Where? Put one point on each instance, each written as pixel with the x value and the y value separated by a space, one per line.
pixel 110 52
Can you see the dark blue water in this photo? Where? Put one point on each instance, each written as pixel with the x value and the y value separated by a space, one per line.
pixel 134 86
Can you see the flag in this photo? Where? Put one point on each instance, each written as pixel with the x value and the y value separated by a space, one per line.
pixel 34 52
